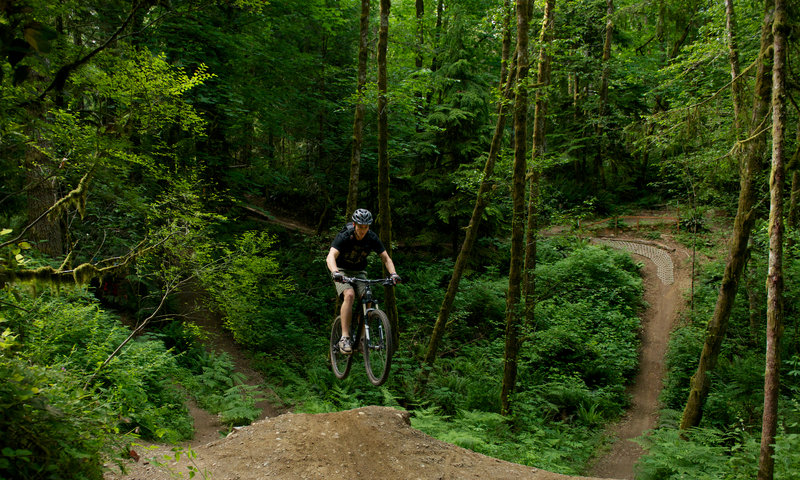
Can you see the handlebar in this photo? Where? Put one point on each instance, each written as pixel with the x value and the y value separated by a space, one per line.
pixel 388 282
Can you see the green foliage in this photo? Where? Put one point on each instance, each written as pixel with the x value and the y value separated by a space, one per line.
pixel 218 389
pixel 70 333
pixel 50 427
pixel 704 455
pixel 243 287
pixel 461 384
pixel 550 446
pixel 582 349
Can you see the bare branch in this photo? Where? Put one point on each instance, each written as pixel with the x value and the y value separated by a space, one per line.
pixel 169 289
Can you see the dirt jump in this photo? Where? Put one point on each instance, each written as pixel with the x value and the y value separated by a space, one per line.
pixel 379 443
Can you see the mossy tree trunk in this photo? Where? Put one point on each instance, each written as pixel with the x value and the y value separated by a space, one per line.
pixel 769 423
pixel 737 84
pixel 385 213
pixel 750 165
pixel 793 214
pixel 47 233
pixel 513 313
pixel 537 151
pixel 602 111
pixel 358 120
pixel 481 201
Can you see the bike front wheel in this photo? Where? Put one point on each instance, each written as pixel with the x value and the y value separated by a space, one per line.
pixel 377 347
pixel 340 363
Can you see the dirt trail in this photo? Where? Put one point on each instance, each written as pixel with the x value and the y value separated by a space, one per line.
pixel 378 442
pixel 665 279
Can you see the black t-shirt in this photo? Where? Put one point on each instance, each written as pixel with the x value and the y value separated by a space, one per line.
pixel 353 253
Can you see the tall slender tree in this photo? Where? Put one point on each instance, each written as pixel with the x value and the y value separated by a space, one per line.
pixel 513 314
pixel 537 152
pixel 752 151
pixel 769 423
pixel 384 206
pixel 420 7
pixel 737 83
pixel 358 120
pixel 602 110
pixel 793 166
pixel 481 200
pixel 534 172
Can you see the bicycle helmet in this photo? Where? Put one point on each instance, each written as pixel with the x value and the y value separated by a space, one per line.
pixel 362 217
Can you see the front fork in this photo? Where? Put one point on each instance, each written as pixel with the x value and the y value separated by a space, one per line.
pixel 367 308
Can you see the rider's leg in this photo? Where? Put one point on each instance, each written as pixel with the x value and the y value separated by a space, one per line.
pixel 349 296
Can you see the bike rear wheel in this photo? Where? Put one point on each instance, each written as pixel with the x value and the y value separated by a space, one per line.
pixel 340 363
pixel 377 347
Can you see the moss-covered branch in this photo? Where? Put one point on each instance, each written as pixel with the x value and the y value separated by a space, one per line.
pixel 80 275
pixel 75 198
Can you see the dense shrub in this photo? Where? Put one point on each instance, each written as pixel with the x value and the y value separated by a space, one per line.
pixel 50 427
pixel 71 333
pixel 62 415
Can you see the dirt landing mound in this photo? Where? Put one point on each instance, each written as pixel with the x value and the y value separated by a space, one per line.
pixel 369 442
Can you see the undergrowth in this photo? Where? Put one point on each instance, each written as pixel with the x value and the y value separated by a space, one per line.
pixel 726 443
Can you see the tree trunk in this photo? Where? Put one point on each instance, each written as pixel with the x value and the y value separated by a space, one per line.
pixel 537 149
pixel 481 201
pixel 358 121
pixel 752 287
pixel 606 57
pixel 420 6
pixel 603 97
pixel 385 215
pixel 791 219
pixel 47 233
pixel 769 424
pixel 750 165
pixel 737 85
pixel 437 35
pixel 518 213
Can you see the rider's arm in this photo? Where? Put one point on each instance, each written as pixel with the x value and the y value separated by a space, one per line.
pixel 387 262
pixel 331 260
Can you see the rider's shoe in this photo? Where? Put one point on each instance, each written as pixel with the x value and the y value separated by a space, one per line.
pixel 345 345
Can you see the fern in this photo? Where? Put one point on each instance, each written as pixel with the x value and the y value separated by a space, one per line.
pixel 239 405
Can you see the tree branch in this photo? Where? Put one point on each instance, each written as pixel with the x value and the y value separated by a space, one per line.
pixel 64 72
pixel 75 195
pixel 139 328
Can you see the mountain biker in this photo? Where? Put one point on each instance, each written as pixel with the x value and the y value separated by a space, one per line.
pixel 348 257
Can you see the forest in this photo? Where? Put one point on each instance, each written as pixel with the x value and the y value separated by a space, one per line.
pixel 165 160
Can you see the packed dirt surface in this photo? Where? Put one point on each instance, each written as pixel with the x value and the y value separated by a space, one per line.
pixel 369 442
pixel 378 442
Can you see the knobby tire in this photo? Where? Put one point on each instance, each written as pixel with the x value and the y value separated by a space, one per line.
pixel 340 363
pixel 378 348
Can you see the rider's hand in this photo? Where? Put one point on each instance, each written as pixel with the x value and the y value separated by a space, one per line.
pixel 395 278
pixel 337 276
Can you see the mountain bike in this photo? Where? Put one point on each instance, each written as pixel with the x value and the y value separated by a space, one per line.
pixel 370 332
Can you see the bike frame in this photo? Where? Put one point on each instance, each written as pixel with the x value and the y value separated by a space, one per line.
pixel 375 342
pixel 368 304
